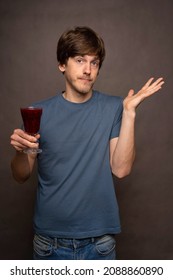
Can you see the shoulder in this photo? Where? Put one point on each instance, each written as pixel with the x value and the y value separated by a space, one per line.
pixel 47 102
pixel 110 100
pixel 107 97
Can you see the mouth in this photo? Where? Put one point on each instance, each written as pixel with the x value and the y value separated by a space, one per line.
pixel 85 79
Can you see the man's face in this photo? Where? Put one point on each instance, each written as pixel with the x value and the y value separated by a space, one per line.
pixel 80 73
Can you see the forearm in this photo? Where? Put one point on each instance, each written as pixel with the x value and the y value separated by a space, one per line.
pixel 124 153
pixel 22 166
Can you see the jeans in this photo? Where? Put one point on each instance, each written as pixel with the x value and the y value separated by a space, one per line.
pixel 99 248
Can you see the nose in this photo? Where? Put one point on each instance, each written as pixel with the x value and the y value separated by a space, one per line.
pixel 87 69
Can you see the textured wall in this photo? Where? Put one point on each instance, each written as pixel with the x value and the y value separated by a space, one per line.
pixel 139 43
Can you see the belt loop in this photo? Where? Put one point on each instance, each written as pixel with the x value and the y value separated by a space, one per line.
pixel 92 239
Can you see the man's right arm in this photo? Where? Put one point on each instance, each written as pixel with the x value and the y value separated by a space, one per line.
pixel 22 164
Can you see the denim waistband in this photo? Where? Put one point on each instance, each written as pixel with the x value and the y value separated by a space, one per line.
pixel 67 242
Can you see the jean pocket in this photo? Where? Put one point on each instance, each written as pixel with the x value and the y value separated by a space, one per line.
pixel 105 245
pixel 42 246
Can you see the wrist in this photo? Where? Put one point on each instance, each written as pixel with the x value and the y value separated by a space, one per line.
pixel 131 114
pixel 21 154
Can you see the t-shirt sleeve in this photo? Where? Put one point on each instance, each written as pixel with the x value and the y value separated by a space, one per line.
pixel 117 120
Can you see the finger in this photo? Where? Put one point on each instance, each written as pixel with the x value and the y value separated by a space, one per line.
pixel 37 136
pixel 150 91
pixel 156 85
pixel 20 146
pixel 148 83
pixel 16 145
pixel 158 82
pixel 22 134
pixel 156 88
pixel 15 138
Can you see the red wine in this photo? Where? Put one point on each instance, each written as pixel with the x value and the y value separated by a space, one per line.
pixel 31 119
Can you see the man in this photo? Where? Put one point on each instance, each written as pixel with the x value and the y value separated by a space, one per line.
pixel 85 136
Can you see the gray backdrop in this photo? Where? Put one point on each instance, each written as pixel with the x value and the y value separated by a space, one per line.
pixel 139 41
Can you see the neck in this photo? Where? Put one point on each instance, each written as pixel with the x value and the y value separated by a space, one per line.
pixel 77 97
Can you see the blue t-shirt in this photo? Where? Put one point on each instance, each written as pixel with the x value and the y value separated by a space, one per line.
pixel 76 196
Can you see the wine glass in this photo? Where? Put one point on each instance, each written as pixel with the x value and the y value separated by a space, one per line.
pixel 31 119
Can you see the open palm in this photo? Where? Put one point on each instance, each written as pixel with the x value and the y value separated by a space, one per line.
pixel 133 100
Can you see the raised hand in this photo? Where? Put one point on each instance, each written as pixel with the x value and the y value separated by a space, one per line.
pixel 133 100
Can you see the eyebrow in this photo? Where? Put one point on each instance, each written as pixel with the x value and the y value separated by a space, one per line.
pixel 83 56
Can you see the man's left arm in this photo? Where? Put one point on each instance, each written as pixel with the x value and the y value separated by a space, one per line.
pixel 122 149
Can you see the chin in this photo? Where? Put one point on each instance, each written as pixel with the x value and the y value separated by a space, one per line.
pixel 85 91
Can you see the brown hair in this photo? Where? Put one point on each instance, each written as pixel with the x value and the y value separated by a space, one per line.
pixel 80 41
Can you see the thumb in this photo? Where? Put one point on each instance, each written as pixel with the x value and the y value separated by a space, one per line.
pixel 37 136
pixel 131 92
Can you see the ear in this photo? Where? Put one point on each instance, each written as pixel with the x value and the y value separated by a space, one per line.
pixel 62 67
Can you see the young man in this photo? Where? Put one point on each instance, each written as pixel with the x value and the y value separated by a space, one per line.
pixel 85 136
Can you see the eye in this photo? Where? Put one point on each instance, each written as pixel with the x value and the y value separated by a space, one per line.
pixel 79 60
pixel 95 63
